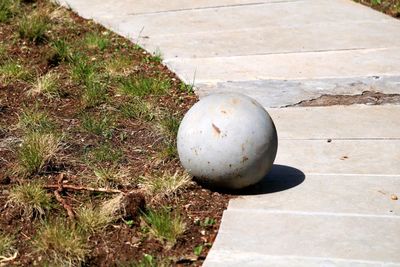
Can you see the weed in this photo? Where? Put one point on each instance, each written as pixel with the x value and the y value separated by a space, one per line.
pixel 164 185
pixel 103 126
pixel 95 40
pixel 197 250
pixel 111 176
pixel 104 153
pixel 150 261
pixel 46 85
pixel 94 93
pixel 33 120
pixel 13 71
pixel 157 57
pixel 119 66
pixel 62 243
pixel 3 51
pixel 32 198
pixel 36 151
pixel 164 224
pixel 82 71
pixel 8 9
pixel 142 86
pixel 169 125
pixel 6 245
pixel 208 222
pixel 91 220
pixel 34 27
pixel 61 52
pixel 137 108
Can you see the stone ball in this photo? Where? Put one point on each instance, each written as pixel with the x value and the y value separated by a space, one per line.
pixel 227 140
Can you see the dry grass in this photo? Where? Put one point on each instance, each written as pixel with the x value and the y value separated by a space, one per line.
pixel 62 243
pixel 92 219
pixel 164 185
pixel 31 198
pixel 46 85
pixel 36 151
pixel 6 245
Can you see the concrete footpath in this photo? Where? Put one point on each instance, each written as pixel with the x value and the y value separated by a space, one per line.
pixel 330 199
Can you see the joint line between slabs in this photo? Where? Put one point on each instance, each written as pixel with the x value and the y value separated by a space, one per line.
pixel 213 7
pixel 306 213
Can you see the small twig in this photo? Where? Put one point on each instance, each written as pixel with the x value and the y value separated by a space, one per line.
pixel 57 194
pixel 84 188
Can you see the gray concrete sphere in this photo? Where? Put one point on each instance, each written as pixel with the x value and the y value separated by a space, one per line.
pixel 227 140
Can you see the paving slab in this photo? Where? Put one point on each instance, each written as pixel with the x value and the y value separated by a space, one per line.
pixel 337 122
pixel 308 234
pixel 341 195
pixel 341 156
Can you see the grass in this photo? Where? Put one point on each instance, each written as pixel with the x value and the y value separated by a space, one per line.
pixel 46 85
pixel 61 52
pixel 164 225
pixel 110 176
pixel 8 9
pixel 13 71
pixel 33 120
pixel 82 71
pixel 91 220
pixel 34 27
pixel 119 66
pixel 96 41
pixel 391 7
pixel 104 153
pixel 168 126
pixel 36 151
pixel 61 243
pixel 137 108
pixel 94 93
pixel 102 126
pixel 32 198
pixel 150 261
pixel 6 245
pixel 164 185
pixel 142 86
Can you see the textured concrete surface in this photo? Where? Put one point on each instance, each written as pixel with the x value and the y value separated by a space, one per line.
pixel 328 199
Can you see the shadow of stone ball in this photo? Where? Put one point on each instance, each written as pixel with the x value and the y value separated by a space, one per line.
pixel 227 140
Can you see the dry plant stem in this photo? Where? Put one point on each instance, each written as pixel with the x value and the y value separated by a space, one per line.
pixel 5 259
pixel 57 194
pixel 84 188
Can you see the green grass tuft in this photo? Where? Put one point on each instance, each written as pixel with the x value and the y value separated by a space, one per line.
pixel 143 86
pixel 32 198
pixel 164 225
pixel 13 71
pixel 62 243
pixel 102 126
pixel 104 153
pixel 33 120
pixel 95 40
pixel 91 220
pixel 34 27
pixel 137 108
pixel 8 9
pixel 36 151
pixel 7 243
pixel 61 52
pixel 94 93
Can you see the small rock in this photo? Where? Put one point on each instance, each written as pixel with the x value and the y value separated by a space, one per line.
pixel 394 197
